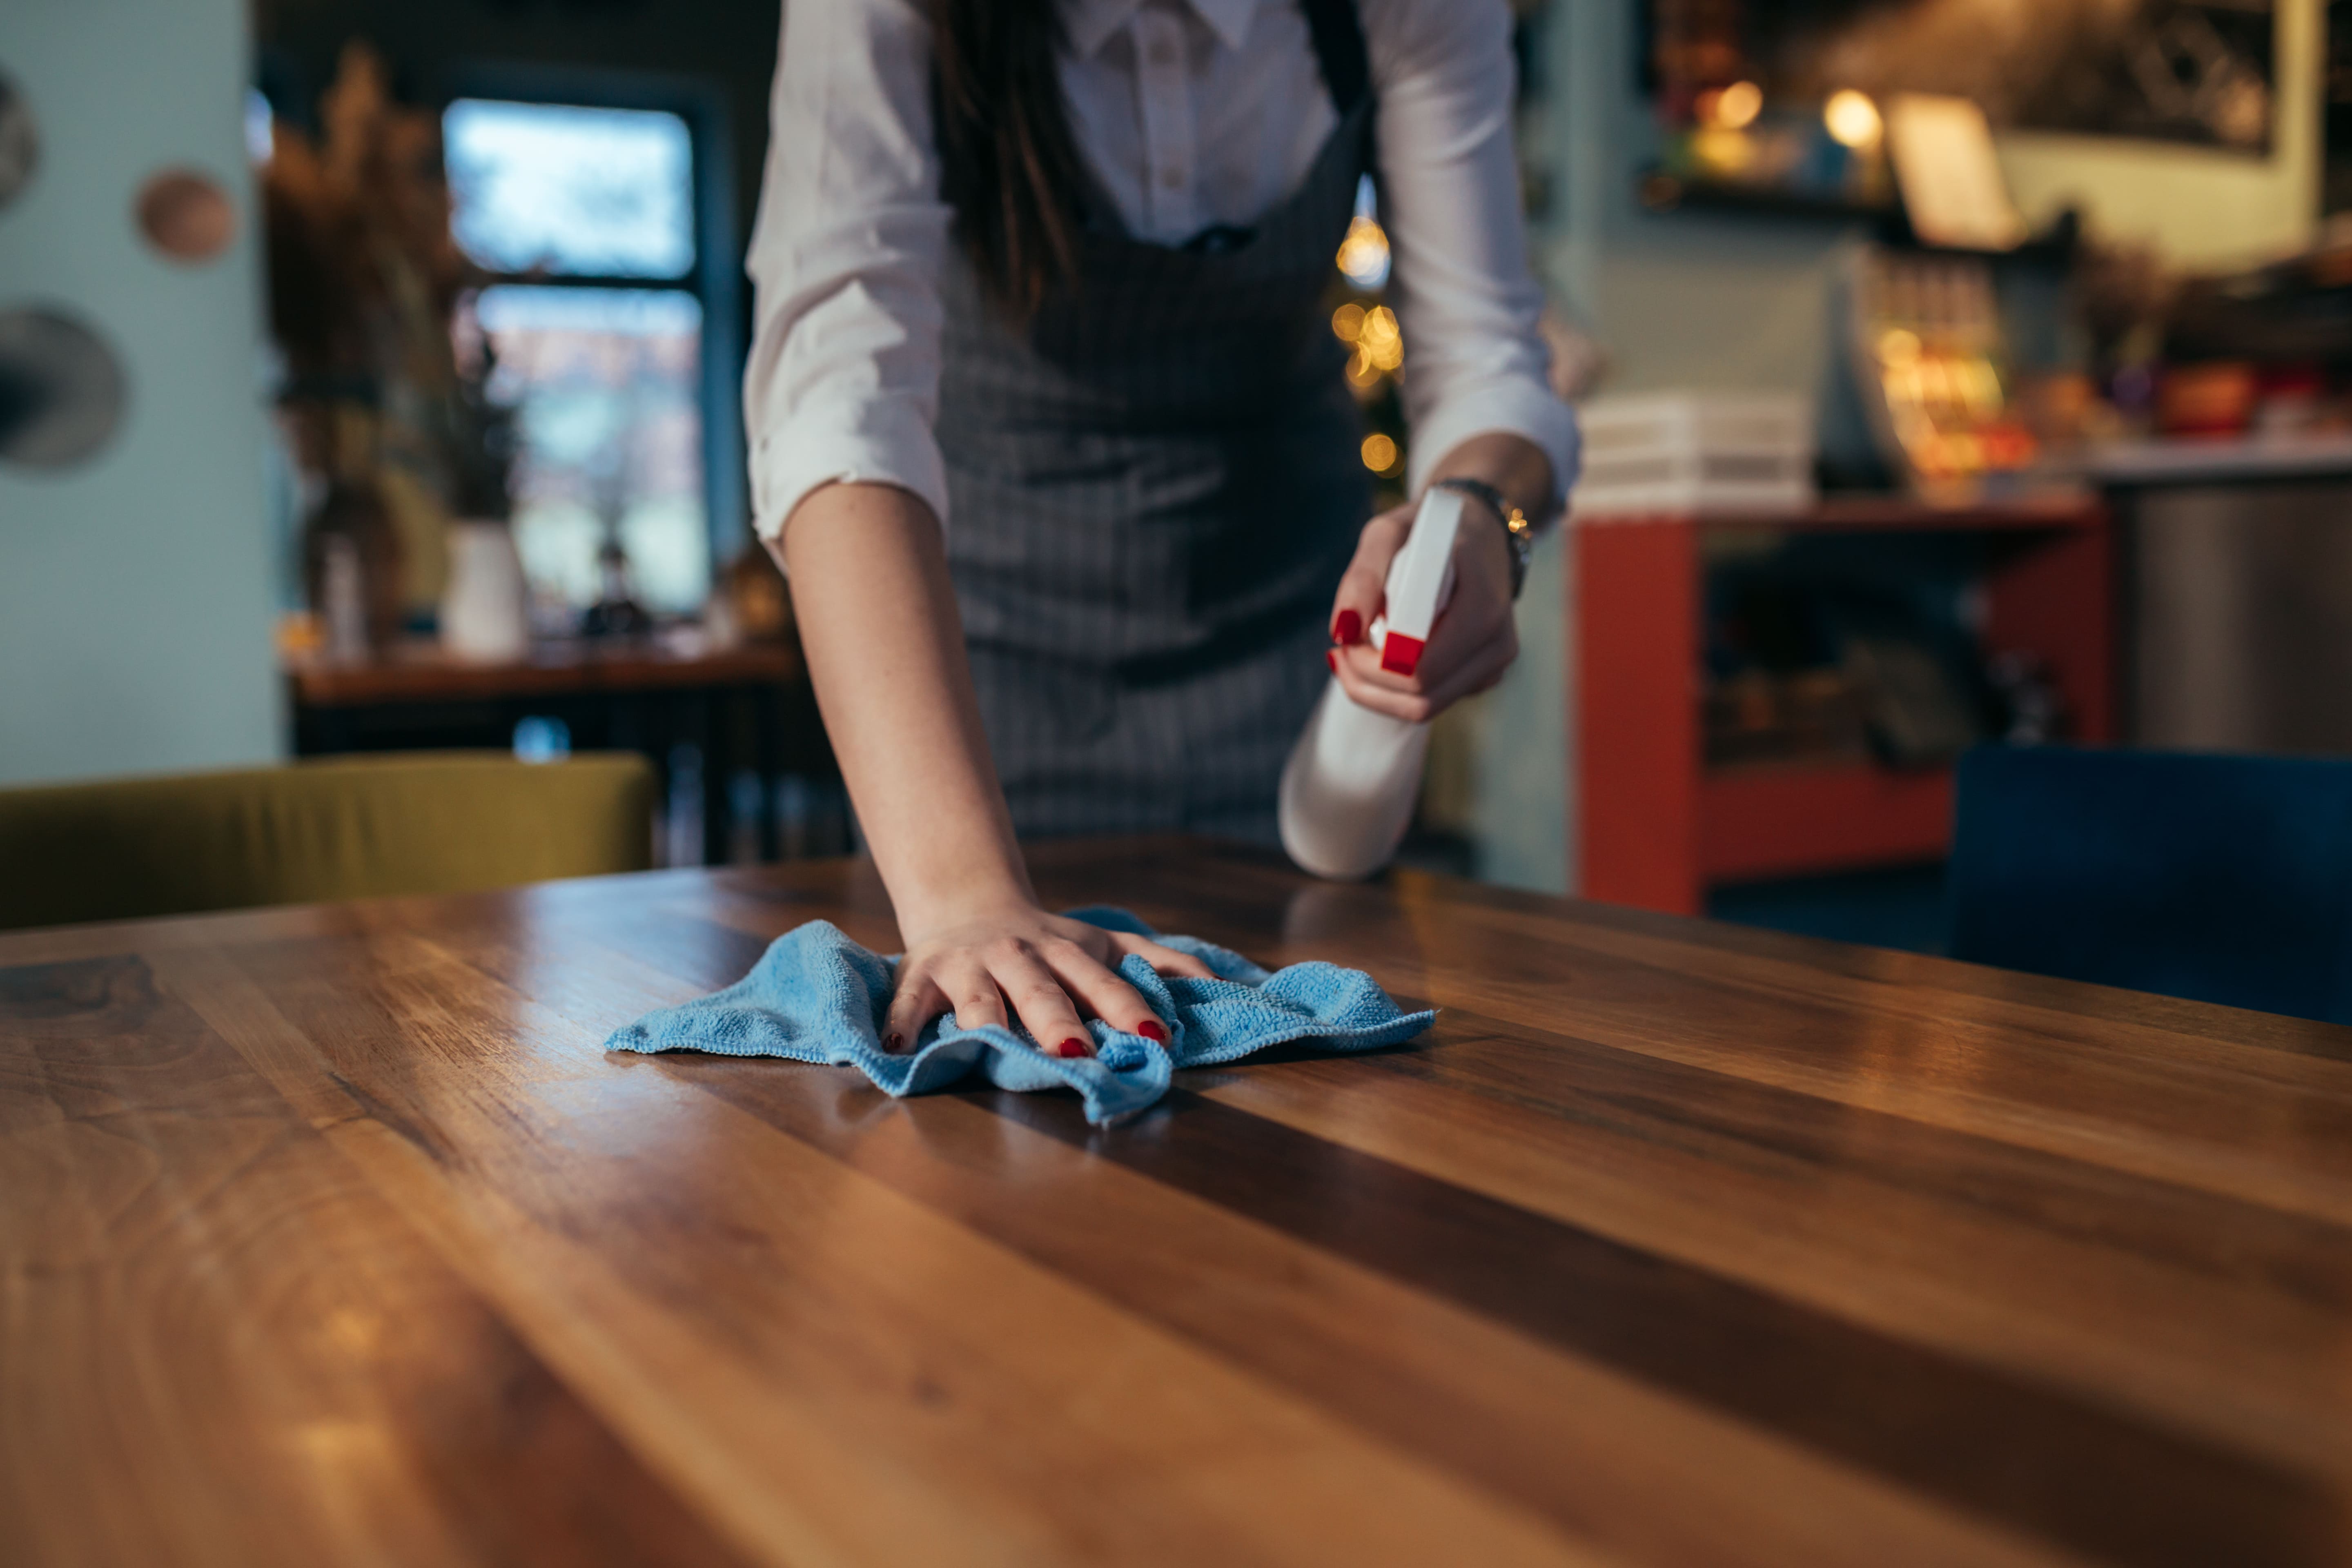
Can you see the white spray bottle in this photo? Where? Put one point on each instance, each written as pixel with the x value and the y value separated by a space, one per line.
pixel 1349 789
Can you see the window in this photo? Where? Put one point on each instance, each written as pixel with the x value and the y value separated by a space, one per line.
pixel 584 193
pixel 596 334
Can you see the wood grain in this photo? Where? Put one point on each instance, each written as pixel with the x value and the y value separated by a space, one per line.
pixel 333 1234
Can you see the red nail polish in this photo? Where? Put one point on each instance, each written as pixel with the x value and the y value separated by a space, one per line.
pixel 1152 1029
pixel 894 1042
pixel 1331 657
pixel 1348 629
pixel 1073 1046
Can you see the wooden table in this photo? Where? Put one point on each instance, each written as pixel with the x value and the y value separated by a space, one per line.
pixel 333 1234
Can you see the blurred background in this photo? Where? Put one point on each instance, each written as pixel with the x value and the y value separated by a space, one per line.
pixel 1955 372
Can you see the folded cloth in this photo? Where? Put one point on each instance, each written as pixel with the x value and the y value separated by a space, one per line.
pixel 817 996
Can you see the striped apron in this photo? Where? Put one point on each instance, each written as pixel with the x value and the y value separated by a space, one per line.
pixel 1154 487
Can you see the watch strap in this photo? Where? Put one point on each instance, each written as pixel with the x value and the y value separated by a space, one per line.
pixel 1517 529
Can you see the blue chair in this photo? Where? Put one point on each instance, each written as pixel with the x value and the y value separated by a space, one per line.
pixel 2220 878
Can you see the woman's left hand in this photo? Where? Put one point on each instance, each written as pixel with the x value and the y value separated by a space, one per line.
pixel 1473 643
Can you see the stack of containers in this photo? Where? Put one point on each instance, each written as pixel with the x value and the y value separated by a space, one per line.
pixel 1695 454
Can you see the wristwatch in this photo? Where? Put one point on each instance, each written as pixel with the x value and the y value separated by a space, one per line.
pixel 1516 529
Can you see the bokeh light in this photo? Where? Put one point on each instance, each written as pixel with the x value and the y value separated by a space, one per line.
pixel 1364 254
pixel 1851 118
pixel 1736 107
pixel 1380 345
pixel 1379 342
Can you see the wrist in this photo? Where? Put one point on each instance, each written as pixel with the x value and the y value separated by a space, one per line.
pixel 1513 466
pixel 998 893
pixel 1516 532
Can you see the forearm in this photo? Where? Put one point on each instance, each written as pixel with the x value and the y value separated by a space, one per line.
pixel 885 647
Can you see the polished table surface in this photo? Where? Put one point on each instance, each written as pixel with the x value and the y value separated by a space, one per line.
pixel 333 1234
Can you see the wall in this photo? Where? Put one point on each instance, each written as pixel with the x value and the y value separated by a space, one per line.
pixel 134 591
pixel 2202 208
pixel 1692 299
pixel 1702 299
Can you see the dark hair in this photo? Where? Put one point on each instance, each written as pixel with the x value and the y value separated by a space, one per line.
pixel 1008 163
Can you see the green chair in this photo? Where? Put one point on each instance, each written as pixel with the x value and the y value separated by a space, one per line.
pixel 340 828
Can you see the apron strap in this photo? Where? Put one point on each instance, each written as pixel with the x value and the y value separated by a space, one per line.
pixel 1347 65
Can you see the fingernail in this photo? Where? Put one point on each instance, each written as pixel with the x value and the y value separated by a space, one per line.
pixel 894 1042
pixel 1073 1046
pixel 1331 657
pixel 1152 1029
pixel 1348 629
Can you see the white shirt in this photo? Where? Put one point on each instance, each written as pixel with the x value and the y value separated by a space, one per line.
pixel 1189 112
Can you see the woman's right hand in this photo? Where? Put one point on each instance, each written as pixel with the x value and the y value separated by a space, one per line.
pixel 1012 960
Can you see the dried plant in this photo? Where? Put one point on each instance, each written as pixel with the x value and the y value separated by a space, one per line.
pixel 366 280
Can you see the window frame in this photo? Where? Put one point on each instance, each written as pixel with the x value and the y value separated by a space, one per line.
pixel 716 278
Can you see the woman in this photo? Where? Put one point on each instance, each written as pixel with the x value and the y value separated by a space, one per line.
pixel 1049 433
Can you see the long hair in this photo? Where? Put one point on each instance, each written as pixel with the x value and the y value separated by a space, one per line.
pixel 1009 165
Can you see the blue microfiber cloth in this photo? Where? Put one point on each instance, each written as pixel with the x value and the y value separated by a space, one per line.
pixel 817 996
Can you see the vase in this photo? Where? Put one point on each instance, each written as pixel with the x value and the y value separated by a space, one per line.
pixel 485 613
pixel 350 567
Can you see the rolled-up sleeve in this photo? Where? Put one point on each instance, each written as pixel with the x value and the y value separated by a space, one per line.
pixel 844 377
pixel 1469 305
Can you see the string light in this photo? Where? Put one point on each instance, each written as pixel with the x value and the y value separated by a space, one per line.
pixel 1364 254
pixel 1726 151
pixel 1380 453
pixel 1348 323
pixel 1851 118
pixel 1735 107
pixel 1379 343
pixel 1379 347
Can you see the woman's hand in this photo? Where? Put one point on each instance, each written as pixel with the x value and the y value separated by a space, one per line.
pixel 1473 643
pixel 877 619
pixel 1016 961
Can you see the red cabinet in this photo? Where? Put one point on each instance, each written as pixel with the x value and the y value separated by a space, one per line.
pixel 1656 826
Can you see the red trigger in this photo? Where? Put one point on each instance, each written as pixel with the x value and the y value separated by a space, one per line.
pixel 1400 655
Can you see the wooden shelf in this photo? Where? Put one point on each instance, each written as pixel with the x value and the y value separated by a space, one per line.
pixel 2224 460
pixel 1795 819
pixel 422 672
pixel 2059 511
pixel 2063 512
pixel 1660 192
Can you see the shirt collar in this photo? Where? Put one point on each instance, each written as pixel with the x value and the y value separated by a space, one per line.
pixel 1229 19
pixel 1091 23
